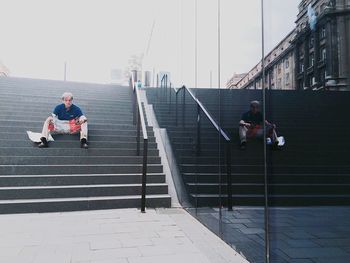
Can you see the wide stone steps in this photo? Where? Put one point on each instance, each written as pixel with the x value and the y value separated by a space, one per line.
pixel 77 179
pixel 93 132
pixel 75 152
pixel 65 177
pixel 77 160
pixel 69 191
pixel 58 137
pixel 312 169
pixel 77 169
pixel 273 200
pixel 76 144
pixel 81 203
pixel 247 188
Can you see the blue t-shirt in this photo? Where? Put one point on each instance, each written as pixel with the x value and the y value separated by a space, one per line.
pixel 62 114
pixel 255 119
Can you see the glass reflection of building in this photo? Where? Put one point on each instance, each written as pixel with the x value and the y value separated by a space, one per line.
pixel 309 59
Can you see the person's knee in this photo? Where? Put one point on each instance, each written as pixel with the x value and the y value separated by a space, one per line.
pixel 82 119
pixel 49 119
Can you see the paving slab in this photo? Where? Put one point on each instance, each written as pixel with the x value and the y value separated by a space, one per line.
pixel 118 236
pixel 297 234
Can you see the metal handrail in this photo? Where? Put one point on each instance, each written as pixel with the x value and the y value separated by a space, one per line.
pixel 140 122
pixel 223 134
pixel 210 118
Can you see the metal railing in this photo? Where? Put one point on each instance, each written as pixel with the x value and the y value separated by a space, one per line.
pixel 201 108
pixel 139 121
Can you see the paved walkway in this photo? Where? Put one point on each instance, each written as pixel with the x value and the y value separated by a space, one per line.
pixel 118 236
pixel 297 234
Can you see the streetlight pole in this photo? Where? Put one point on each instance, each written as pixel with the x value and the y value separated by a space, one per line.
pixel 266 193
pixel 65 71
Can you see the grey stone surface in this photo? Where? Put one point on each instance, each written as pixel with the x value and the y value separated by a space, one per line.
pixel 118 236
pixel 304 234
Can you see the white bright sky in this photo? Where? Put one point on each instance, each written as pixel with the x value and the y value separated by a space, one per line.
pixel 94 36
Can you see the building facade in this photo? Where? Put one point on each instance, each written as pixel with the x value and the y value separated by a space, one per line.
pixel 233 82
pixel 4 72
pixel 306 58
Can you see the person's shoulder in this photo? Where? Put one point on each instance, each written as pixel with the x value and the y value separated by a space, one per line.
pixel 75 107
pixel 247 113
pixel 59 106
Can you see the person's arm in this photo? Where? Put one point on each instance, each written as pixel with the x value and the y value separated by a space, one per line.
pixel 78 115
pixel 271 124
pixel 243 122
pixel 56 110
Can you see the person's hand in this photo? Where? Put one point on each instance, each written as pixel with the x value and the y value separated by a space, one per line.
pixel 247 125
pixel 77 122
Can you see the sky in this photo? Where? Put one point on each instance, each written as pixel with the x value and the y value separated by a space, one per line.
pixel 95 36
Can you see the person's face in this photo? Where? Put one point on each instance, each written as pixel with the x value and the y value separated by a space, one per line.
pixel 254 109
pixel 68 102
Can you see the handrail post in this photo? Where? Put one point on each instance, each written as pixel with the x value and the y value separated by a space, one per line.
pixel 140 123
pixel 162 88
pixel 169 97
pixel 138 132
pixel 134 101
pixel 183 106
pixel 157 90
pixel 176 109
pixel 166 89
pixel 198 130
pixel 229 177
pixel 144 177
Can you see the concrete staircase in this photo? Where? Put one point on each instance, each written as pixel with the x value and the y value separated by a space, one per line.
pixel 65 177
pixel 313 168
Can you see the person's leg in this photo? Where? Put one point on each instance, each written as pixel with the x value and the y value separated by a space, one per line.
pixel 243 133
pixel 243 136
pixel 83 132
pixel 271 132
pixel 259 134
pixel 45 132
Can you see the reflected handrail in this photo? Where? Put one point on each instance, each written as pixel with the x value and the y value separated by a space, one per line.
pixel 139 120
pixel 205 111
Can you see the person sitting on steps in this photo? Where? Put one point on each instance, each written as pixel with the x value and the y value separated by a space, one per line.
pixel 251 126
pixel 66 118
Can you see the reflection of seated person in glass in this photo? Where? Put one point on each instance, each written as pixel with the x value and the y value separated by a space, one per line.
pixel 251 126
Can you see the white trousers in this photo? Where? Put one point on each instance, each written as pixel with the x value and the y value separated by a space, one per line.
pixel 83 130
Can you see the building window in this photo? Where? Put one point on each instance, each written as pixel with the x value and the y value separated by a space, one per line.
pixel 312 60
pixel 287 78
pixel 311 42
pixel 323 54
pixel 301 84
pixel 279 84
pixel 287 63
pixel 279 68
pixel 323 75
pixel 312 81
pixel 301 66
pixel 323 32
